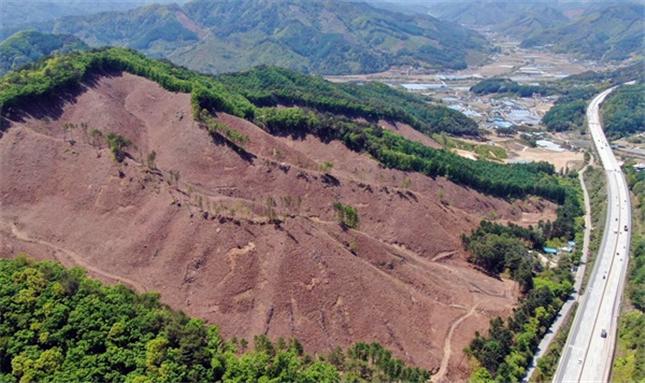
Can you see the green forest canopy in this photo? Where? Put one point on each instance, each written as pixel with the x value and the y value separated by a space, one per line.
pixel 623 112
pixel 57 325
pixel 28 46
pixel 504 85
pixel 576 91
pixel 328 37
pixel 270 86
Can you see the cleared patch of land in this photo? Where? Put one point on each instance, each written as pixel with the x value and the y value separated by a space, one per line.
pixel 248 237
pixel 561 160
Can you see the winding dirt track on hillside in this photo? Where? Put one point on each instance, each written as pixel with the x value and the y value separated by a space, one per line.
pixel 73 256
pixel 443 255
pixel 447 345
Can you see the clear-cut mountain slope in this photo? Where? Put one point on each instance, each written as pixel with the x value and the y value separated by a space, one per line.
pixel 248 239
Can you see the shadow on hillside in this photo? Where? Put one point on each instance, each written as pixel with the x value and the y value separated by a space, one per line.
pixel 52 105
pixel 245 155
pixel 325 134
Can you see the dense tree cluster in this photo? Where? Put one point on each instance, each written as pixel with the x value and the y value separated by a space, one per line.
pixel 216 128
pixel 565 116
pixel 623 112
pixel 57 325
pixel 504 85
pixel 28 46
pixel 373 363
pixel 569 111
pixel 271 86
pixel 293 121
pixel 506 181
pixel 504 354
pixel 576 90
pixel 347 215
pixel 117 144
pixel 533 237
pixel 58 73
pixel 629 365
pixel 496 253
pixel 238 94
pixel 506 351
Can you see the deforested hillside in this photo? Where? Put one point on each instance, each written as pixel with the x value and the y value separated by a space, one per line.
pixel 325 37
pixel 265 215
pixel 26 47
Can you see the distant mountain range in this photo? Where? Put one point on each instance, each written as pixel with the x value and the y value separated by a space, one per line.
pixel 593 30
pixel 533 21
pixel 517 19
pixel 16 13
pixel 28 46
pixel 326 37
pixel 612 33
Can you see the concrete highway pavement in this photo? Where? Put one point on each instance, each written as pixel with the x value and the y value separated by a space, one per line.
pixel 588 353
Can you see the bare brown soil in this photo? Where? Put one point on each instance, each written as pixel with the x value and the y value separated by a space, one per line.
pixel 249 240
pixel 410 133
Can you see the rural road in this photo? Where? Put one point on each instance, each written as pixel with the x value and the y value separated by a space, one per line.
pixel 588 353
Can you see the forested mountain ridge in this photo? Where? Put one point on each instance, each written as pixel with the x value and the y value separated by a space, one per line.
pixel 516 19
pixel 533 22
pixel 615 32
pixel 326 37
pixel 593 30
pixel 17 13
pixel 25 47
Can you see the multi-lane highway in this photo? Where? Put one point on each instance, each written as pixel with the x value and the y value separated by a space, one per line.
pixel 587 355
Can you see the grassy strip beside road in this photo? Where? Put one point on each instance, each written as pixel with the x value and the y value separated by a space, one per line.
pixel 629 361
pixel 547 365
pixel 595 182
